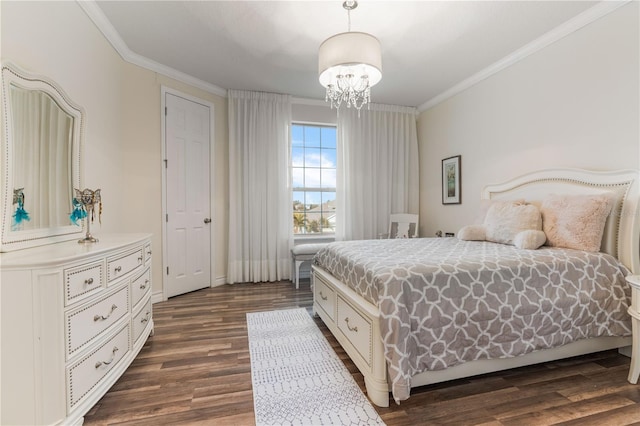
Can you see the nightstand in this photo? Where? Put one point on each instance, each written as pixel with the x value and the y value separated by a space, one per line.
pixel 634 311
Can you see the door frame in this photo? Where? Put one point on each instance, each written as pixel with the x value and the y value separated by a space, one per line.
pixel 163 120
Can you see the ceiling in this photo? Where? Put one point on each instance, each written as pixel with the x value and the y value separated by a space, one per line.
pixel 428 47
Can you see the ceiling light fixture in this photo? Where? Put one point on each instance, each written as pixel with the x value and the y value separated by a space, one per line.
pixel 349 64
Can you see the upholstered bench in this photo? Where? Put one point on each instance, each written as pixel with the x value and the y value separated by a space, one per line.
pixel 302 253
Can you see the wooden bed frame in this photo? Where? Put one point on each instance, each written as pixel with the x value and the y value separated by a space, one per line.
pixel 355 322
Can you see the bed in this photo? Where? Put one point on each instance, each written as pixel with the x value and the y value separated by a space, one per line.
pixel 419 311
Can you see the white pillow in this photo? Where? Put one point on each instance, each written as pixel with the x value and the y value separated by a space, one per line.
pixel 484 207
pixel 529 240
pixel 472 233
pixel 505 219
pixel 576 221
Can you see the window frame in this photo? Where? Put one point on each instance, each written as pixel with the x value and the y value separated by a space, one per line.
pixel 319 235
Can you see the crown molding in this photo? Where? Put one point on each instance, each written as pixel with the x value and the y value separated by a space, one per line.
pixel 592 14
pixel 98 17
pixel 585 18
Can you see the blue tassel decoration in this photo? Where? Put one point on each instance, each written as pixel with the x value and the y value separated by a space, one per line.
pixel 20 216
pixel 78 212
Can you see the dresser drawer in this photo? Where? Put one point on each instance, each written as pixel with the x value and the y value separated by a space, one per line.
pixel 356 328
pixel 141 320
pixel 83 281
pixel 93 319
pixel 325 297
pixel 147 254
pixel 88 372
pixel 122 264
pixel 140 286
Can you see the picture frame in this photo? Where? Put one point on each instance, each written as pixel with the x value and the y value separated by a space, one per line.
pixel 451 180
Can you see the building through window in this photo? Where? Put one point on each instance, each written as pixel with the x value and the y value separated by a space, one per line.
pixel 313 171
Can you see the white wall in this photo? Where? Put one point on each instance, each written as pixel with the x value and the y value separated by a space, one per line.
pixel 572 104
pixel 122 151
pixel 313 112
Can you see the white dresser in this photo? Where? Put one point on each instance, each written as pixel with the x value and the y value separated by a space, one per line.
pixel 74 317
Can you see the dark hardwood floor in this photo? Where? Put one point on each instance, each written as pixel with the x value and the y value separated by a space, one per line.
pixel 195 370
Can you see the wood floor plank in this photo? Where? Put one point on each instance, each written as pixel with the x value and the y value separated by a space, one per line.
pixel 567 412
pixel 196 370
pixel 533 403
pixel 627 415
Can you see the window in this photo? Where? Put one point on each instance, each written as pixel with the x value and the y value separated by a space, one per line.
pixel 313 170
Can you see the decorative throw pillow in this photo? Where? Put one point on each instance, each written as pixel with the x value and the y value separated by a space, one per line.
pixel 472 233
pixel 505 219
pixel 575 221
pixel 529 240
pixel 485 204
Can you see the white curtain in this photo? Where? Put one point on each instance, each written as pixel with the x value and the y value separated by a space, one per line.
pixel 260 218
pixel 377 169
pixel 42 132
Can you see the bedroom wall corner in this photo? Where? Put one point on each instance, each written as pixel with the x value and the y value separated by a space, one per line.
pixel 575 104
pixel 122 151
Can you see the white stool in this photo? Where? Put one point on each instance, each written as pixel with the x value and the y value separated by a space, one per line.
pixel 302 253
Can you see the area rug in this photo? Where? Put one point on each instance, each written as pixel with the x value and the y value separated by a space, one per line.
pixel 297 377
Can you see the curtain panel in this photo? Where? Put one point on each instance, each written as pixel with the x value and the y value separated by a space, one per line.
pixel 260 219
pixel 38 119
pixel 377 169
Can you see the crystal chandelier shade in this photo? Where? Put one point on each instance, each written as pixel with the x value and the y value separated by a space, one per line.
pixel 349 64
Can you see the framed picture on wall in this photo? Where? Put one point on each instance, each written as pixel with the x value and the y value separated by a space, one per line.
pixel 451 180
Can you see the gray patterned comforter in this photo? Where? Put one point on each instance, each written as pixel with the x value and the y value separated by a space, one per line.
pixel 444 301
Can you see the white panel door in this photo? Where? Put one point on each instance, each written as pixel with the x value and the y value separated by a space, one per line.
pixel 187 131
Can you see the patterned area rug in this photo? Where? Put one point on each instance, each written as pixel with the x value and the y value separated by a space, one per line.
pixel 297 377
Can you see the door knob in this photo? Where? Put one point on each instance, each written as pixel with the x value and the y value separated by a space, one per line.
pixel 207 220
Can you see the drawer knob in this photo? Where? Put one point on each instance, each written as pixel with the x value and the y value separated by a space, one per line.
pixel 102 317
pixel 146 318
pixel 140 259
pixel 118 269
pixel 143 286
pixel 113 356
pixel 149 253
pixel 322 296
pixel 88 281
pixel 354 328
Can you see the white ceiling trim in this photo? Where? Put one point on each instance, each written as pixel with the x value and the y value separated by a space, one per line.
pixel 104 25
pixel 588 16
pixel 603 8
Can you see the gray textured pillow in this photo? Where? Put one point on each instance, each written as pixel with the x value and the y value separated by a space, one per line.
pixel 505 219
pixel 575 221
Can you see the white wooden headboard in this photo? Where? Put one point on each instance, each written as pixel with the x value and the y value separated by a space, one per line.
pixel 622 231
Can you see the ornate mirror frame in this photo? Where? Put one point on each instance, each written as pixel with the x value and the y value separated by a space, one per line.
pixel 11 239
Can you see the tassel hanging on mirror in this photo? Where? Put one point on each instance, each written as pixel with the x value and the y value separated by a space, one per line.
pixel 21 214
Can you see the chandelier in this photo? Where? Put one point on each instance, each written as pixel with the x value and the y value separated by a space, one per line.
pixel 349 64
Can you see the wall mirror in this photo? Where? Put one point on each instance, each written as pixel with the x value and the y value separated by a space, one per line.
pixel 42 138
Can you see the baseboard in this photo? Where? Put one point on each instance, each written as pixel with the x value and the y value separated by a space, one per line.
pixel 219 281
pixel 157 297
